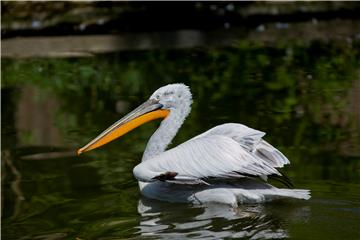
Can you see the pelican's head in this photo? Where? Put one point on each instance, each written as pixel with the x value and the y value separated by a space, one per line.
pixel 173 96
pixel 167 99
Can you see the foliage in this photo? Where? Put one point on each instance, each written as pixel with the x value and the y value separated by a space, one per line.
pixel 284 86
pixel 296 93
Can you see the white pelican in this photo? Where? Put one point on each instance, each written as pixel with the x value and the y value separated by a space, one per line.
pixel 227 164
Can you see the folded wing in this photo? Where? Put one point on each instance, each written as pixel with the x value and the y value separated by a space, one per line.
pixel 226 151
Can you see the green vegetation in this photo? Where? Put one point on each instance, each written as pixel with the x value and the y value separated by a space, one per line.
pixel 268 86
pixel 296 93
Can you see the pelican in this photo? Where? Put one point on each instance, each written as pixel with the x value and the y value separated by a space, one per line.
pixel 228 164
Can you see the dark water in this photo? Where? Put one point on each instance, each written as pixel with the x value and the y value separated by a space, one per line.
pixel 305 97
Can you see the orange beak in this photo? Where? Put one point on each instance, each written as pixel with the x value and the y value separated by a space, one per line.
pixel 146 112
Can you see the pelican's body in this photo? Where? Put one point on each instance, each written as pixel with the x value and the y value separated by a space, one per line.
pixel 219 165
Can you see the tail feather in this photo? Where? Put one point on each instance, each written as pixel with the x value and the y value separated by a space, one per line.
pixel 266 195
pixel 299 193
pixel 288 193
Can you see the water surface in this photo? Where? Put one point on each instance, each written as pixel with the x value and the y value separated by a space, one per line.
pixel 307 105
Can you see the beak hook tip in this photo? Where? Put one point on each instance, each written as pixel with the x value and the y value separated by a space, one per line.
pixel 79 151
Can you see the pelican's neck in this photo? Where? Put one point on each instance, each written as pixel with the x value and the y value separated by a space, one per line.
pixel 166 132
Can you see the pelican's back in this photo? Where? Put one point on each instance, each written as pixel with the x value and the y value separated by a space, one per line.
pixel 226 151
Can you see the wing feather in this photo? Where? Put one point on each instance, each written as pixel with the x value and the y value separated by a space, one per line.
pixel 265 151
pixel 226 151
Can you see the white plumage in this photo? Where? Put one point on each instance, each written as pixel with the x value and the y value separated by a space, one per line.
pixel 227 152
pixel 222 165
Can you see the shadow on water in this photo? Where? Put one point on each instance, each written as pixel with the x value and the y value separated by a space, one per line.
pixel 307 104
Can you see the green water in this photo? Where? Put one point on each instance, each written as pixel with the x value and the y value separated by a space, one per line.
pixel 299 94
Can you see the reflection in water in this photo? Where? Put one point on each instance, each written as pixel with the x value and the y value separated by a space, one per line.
pixel 35 118
pixel 167 221
pixel 15 184
pixel 288 91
